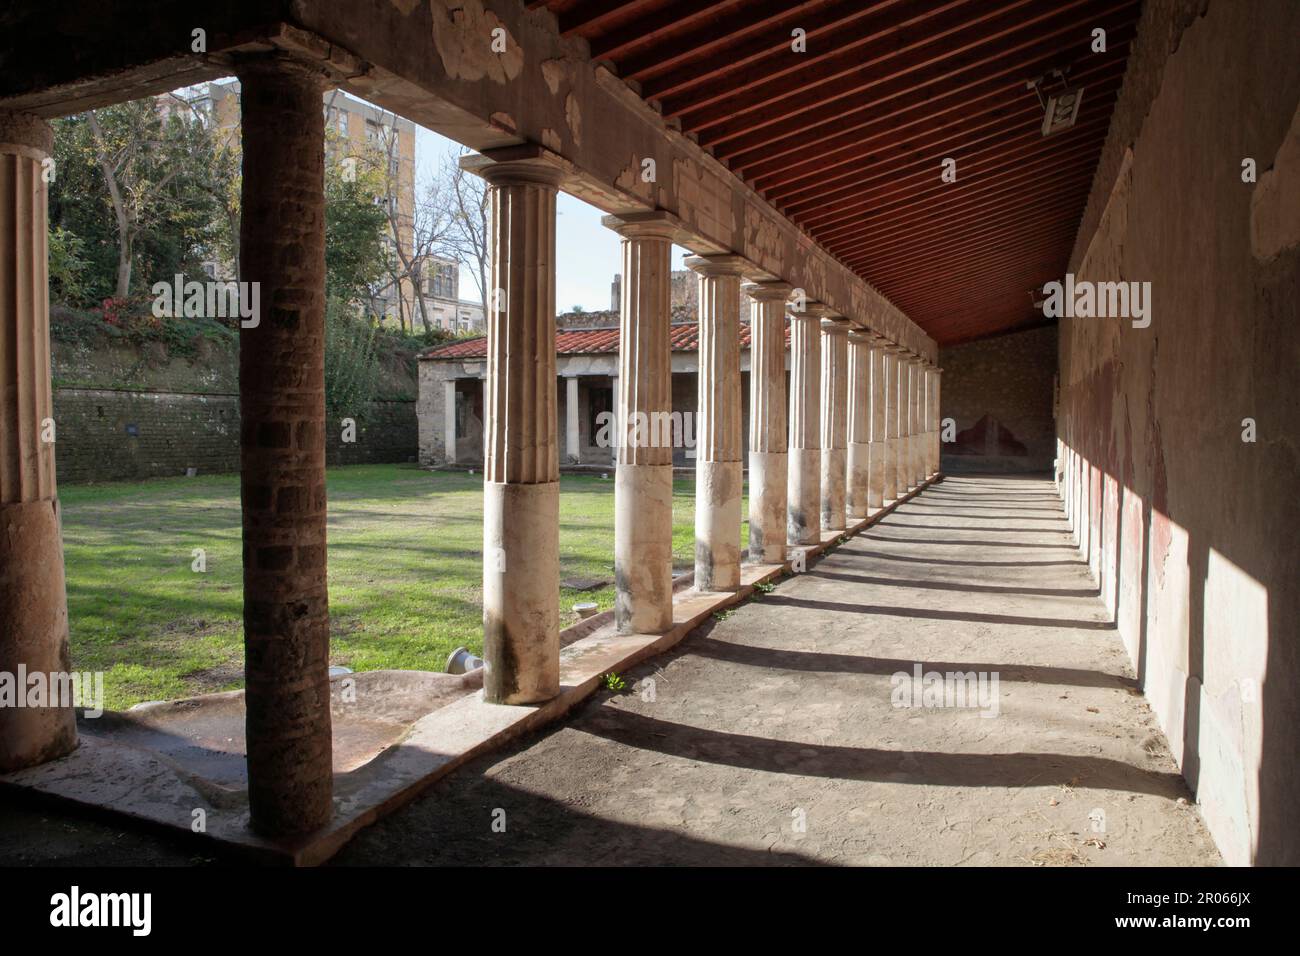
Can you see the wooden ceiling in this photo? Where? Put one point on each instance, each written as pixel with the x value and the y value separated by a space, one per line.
pixel 848 137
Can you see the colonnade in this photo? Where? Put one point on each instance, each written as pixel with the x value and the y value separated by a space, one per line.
pixel 856 428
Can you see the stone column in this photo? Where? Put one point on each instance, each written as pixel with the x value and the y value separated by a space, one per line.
pixel 521 476
pixel 892 441
pixel 616 432
pixel 33 600
pixel 879 447
pixel 768 442
pixel 858 477
pixel 835 420
pixel 449 419
pixel 643 488
pixel 936 445
pixel 718 475
pixel 802 524
pixel 282 448
pixel 572 429
pixel 914 421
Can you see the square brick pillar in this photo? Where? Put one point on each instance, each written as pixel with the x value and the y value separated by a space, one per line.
pixel 282 448
pixel 33 599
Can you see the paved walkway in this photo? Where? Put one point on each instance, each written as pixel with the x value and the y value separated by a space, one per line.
pixel 772 736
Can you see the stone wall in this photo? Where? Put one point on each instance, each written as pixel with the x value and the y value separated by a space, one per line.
pixel 998 391
pixel 108 435
pixel 1188 524
pixel 121 414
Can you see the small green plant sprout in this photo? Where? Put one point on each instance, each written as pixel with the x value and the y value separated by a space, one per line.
pixel 764 587
pixel 722 615
pixel 614 682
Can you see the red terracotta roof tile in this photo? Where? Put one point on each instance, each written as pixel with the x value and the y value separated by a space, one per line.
pixel 685 337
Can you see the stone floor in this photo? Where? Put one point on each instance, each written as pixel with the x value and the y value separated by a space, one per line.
pixel 772 736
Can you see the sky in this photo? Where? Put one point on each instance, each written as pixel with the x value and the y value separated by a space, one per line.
pixel 588 253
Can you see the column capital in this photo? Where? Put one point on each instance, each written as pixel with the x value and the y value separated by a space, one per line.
pixel 21 132
pixel 835 325
pixel 768 291
pixel 651 224
pixel 861 337
pixel 813 309
pixel 517 166
pixel 728 264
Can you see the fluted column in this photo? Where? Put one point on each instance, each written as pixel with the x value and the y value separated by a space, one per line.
pixel 835 421
pixel 768 440
pixel 718 473
pixel 33 600
pixel 936 420
pixel 907 423
pixel 857 490
pixel 521 472
pixel 802 520
pixel 892 441
pixel 643 487
pixel 878 450
pixel 914 418
pixel 572 428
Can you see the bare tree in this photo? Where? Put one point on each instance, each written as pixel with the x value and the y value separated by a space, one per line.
pixel 467 226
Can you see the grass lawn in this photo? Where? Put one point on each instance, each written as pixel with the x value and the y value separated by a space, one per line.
pixel 405 572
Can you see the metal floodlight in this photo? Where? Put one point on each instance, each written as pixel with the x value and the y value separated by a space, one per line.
pixel 1060 105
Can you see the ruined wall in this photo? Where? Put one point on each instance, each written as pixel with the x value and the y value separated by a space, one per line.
pixel 1189 528
pixel 998 391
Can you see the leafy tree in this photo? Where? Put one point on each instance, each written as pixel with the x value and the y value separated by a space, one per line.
pixel 355 225
pixel 133 183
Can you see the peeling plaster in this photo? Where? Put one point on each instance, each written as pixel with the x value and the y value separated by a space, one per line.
pixel 554 72
pixel 503 121
pixel 706 201
pixel 573 116
pixel 405 6
pixel 1275 203
pixel 551 140
pixel 762 239
pixel 462 33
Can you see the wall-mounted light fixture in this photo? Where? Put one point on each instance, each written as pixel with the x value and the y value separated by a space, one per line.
pixel 1059 100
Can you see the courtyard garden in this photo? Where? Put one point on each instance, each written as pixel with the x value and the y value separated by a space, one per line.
pixel 154 575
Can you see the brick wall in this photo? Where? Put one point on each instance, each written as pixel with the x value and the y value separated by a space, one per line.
pixel 999 393
pixel 113 435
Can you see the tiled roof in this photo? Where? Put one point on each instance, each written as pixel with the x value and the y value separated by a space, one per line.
pixel 685 337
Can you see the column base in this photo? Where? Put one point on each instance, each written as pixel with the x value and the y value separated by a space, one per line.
pixel 643 549
pixel 832 482
pixel 768 484
pixel 876 477
pixel 521 592
pixel 857 489
pixel 718 486
pixel 802 519
pixel 34 635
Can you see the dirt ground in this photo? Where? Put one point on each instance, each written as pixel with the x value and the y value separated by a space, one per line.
pixel 775 735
